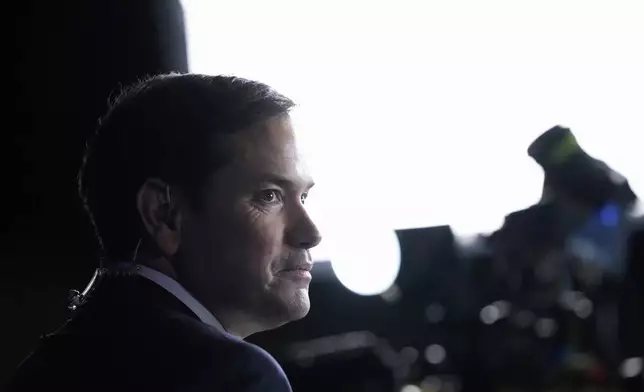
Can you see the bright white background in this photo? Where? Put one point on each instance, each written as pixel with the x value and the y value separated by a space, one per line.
pixel 419 113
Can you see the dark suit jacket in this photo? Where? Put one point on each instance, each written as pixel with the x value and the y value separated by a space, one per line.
pixel 132 335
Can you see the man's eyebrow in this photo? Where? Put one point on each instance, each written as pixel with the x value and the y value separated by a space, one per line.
pixel 285 182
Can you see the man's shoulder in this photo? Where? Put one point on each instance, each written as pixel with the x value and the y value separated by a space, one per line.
pixel 244 367
pixel 236 363
pixel 180 354
pixel 151 343
pixel 208 357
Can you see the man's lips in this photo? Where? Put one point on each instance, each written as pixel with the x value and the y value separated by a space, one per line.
pixel 299 271
pixel 303 266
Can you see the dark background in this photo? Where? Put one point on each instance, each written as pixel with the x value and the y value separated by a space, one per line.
pixel 68 58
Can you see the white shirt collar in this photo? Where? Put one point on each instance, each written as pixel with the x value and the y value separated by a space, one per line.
pixel 176 289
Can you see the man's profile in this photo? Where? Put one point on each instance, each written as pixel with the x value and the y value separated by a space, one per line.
pixel 196 190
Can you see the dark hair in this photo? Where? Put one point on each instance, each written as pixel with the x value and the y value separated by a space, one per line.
pixel 167 127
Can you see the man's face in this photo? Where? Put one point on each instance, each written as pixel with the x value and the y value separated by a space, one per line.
pixel 244 250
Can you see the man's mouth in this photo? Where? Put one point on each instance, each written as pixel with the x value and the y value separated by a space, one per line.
pixel 299 272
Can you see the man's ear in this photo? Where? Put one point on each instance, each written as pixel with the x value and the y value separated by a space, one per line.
pixel 161 215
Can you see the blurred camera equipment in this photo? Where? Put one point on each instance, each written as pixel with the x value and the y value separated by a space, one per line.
pixel 556 267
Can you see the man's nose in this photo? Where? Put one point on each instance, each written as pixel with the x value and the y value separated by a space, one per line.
pixel 304 233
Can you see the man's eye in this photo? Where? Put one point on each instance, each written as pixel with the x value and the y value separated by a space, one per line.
pixel 303 197
pixel 270 196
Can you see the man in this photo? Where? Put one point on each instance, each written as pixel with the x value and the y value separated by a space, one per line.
pixel 196 189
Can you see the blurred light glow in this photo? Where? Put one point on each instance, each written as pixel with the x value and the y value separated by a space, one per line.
pixel 435 313
pixel 431 384
pixel 409 355
pixel 365 258
pixel 609 215
pixel 632 367
pixel 435 354
pixel 392 294
pixel 426 108
pixel 545 327
pixel 583 308
pixel 490 314
pixel 494 312
pixel 411 388
pixel 503 308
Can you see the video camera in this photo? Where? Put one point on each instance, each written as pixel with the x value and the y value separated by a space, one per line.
pixel 561 260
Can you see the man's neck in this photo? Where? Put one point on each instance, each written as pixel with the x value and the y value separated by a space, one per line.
pixel 239 323
pixel 234 322
pixel 160 264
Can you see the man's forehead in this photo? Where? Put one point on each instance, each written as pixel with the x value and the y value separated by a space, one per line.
pixel 274 138
pixel 288 173
pixel 300 180
pixel 270 153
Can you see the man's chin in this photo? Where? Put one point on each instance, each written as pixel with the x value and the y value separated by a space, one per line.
pixel 299 306
pixel 285 307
